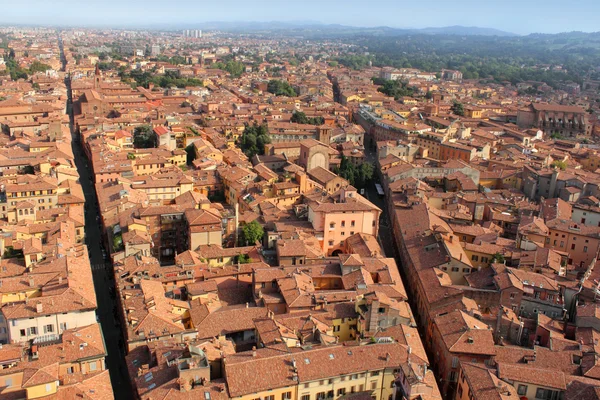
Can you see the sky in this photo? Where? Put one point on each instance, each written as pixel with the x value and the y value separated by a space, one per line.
pixel 516 16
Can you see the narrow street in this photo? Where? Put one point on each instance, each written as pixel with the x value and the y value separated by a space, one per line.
pixel 101 271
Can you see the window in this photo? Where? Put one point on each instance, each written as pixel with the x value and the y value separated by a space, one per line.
pixel 22 332
pixel 545 394
pixel 343 224
pixel 585 249
pixel 352 224
pixel 70 370
pixel 454 269
pixel 375 373
pixel 48 328
pixel 474 258
pixel 332 225
pixel 466 270
pixel 63 326
pixel 343 233
pixel 573 246
pixel 262 285
pixel 341 392
pixel 513 295
pixel 452 376
pixel 321 396
pixel 454 362
pixel 33 330
pixel 331 242
pixel 305 397
pixel 286 396
pixel 562 243
pixel 373 385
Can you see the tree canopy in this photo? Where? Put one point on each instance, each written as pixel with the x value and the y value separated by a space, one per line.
pixel 144 137
pixel 281 88
pixel 357 176
pixel 251 233
pixel 299 117
pixel 254 138
pixel 396 88
pixel 235 68
pixel 458 108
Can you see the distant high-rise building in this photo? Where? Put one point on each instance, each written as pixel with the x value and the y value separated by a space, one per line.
pixel 193 33
pixel 155 50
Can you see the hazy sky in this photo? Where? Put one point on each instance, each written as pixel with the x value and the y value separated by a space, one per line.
pixel 518 16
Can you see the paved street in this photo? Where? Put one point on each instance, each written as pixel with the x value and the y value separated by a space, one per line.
pixel 103 282
pixel 385 233
pixel 102 274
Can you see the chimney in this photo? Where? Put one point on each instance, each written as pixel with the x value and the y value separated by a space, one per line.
pixel 387 357
pixel 253 351
pixel 39 308
pixel 31 282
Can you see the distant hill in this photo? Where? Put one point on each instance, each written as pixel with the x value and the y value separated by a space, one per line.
pixel 465 30
pixel 312 27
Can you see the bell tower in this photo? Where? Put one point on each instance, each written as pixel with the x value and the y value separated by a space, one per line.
pixel 97 78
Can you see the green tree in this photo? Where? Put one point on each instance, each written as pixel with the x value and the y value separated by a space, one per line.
pixel 254 138
pixel 396 89
pixel 281 88
pixel 243 259
pixel 144 137
pixel 299 117
pixel 559 164
pixel 37 66
pixel 117 242
pixel 497 258
pixel 365 175
pixel 191 154
pixel 458 108
pixel 251 233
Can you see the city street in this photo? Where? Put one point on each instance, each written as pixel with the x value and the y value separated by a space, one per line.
pixel 385 237
pixel 103 282
pixel 101 272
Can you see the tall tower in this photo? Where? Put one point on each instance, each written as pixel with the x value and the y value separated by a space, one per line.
pixel 97 78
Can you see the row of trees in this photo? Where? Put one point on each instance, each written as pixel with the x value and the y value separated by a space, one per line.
pixel 169 79
pixel 299 117
pixel 254 138
pixel 358 176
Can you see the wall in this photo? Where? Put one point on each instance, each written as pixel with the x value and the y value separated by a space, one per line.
pixel 72 319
